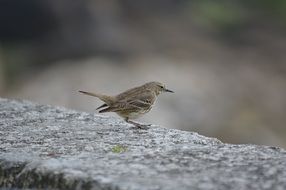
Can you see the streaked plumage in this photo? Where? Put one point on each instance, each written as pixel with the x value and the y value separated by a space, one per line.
pixel 132 103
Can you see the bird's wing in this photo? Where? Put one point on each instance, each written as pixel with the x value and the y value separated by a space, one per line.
pixel 139 102
pixel 102 106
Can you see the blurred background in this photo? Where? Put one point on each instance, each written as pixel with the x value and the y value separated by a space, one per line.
pixel 224 59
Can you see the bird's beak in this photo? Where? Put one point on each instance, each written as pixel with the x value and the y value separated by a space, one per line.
pixel 167 90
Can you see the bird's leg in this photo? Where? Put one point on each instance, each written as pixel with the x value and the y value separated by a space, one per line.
pixel 139 125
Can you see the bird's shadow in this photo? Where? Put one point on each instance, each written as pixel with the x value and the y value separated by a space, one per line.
pixel 142 128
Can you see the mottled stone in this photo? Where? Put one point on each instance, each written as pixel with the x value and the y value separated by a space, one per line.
pixel 51 147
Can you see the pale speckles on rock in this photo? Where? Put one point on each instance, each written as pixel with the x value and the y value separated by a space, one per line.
pixel 45 146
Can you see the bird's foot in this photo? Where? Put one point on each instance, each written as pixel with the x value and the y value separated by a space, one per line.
pixel 139 125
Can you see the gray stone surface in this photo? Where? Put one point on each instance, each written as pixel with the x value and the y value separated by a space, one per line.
pixel 52 147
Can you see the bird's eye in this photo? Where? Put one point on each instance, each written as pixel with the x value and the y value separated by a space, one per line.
pixel 162 87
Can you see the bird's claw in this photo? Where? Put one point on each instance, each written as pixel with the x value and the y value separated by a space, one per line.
pixel 139 125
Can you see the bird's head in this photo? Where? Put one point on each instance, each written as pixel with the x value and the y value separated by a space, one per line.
pixel 158 87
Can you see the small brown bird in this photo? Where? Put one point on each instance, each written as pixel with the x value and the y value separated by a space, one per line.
pixel 132 103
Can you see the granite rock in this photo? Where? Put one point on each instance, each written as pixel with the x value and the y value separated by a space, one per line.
pixel 51 147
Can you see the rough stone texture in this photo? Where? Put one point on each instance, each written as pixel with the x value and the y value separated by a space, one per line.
pixel 51 147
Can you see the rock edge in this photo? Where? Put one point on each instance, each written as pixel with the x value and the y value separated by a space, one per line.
pixel 51 147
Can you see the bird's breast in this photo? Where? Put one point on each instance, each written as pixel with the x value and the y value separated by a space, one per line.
pixel 135 114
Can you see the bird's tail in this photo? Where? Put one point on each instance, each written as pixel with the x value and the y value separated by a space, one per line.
pixel 107 99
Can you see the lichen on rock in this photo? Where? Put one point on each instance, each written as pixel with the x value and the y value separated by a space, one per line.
pixel 51 147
